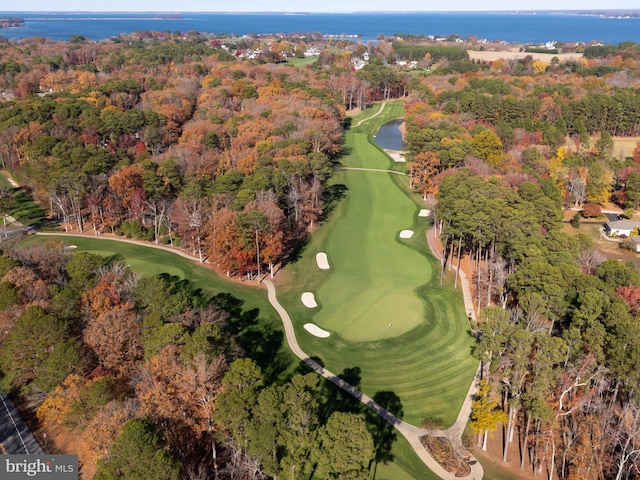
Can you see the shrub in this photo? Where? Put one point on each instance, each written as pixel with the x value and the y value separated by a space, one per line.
pixel 575 221
pixel 591 210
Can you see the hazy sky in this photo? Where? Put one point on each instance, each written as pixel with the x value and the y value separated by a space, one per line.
pixel 311 5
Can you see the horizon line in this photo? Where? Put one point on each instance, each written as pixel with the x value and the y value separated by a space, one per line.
pixel 547 10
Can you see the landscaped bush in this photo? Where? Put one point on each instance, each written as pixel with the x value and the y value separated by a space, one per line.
pixel 591 210
pixel 575 221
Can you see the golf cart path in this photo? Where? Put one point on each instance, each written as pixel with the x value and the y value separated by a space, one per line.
pixel 384 104
pixel 410 432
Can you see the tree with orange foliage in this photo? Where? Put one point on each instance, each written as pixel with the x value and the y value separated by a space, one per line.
pixel 96 439
pixel 180 394
pixel 423 168
pixel 57 405
pixel 115 338
pixel 125 184
pixel 223 241
pixel 100 299
pixel 631 296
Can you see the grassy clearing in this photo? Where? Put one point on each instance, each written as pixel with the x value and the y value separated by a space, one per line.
pixel 428 365
pixel 391 111
pixel 377 274
pixel 407 465
pixel 623 146
pixel 150 261
pixel 24 209
pixel 301 62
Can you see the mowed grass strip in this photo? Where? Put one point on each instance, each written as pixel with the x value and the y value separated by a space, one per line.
pixel 375 274
pixel 430 366
pixel 148 261
pixel 258 316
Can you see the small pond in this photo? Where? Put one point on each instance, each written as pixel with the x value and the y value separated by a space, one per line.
pixel 389 136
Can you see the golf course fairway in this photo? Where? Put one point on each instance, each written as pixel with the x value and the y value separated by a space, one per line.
pixel 372 292
pixel 390 320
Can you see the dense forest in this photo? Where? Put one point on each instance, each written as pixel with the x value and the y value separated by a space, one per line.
pixel 224 147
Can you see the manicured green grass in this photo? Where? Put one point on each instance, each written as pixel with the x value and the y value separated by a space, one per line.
pixel 391 111
pixel 24 209
pixel 262 324
pixel 301 62
pixel 376 273
pixel 151 261
pixel 4 183
pixel 425 357
pixel 406 465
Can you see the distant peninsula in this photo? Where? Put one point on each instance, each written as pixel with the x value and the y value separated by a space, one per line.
pixel 11 22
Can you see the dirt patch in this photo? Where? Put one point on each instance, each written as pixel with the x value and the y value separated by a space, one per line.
pixel 515 53
pixel 443 452
pixel 623 146
pixel 495 468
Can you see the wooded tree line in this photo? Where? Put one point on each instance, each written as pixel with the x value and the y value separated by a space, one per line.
pixel 551 124
pixel 502 153
pixel 558 328
pixel 153 378
pixel 225 158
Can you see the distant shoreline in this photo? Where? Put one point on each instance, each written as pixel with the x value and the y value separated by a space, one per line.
pixel 510 27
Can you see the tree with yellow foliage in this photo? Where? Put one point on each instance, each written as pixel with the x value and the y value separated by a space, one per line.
pixel 539 66
pixel 485 413
pixel 556 168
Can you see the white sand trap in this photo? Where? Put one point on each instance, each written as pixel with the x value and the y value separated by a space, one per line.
pixel 316 330
pixel 309 300
pixel 425 212
pixel 406 234
pixel 396 155
pixel 322 261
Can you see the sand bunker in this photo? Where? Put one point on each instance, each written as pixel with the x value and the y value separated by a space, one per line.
pixel 396 155
pixel 425 212
pixel 309 300
pixel 316 330
pixel 406 234
pixel 322 261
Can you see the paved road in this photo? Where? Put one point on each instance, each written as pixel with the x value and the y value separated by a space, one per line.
pixel 15 436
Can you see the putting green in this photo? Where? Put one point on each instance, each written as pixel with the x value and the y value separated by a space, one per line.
pixel 375 274
pixel 424 358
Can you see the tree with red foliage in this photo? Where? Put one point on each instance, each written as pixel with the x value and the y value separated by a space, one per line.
pixel 631 295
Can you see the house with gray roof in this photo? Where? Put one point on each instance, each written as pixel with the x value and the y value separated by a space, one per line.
pixel 621 228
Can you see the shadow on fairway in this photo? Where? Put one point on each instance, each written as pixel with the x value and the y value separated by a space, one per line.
pixel 383 433
pixel 332 196
pixel 258 341
pixel 303 368
pixel 336 399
